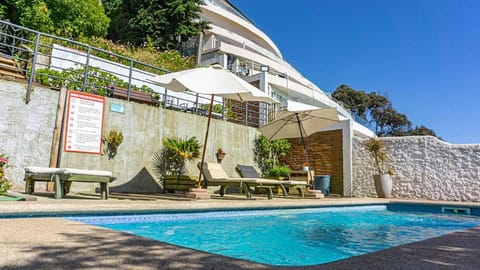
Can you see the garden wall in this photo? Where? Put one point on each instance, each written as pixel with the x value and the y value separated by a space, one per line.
pixel 26 135
pixel 426 168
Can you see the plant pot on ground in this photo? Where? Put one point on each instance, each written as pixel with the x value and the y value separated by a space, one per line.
pixel 380 159
pixel 278 173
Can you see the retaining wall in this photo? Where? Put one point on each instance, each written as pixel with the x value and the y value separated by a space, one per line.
pixel 26 135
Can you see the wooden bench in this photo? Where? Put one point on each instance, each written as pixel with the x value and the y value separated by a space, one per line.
pixel 140 97
pixel 63 178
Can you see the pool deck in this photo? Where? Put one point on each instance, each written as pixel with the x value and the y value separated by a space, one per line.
pixel 56 243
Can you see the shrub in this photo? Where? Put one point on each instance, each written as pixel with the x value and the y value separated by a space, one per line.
pixel 4 183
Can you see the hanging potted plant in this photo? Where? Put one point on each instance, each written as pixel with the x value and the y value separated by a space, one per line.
pixel 220 154
pixel 383 178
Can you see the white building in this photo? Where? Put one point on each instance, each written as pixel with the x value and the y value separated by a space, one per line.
pixel 237 44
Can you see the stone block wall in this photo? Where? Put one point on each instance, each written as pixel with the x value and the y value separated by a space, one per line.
pixel 325 153
pixel 426 168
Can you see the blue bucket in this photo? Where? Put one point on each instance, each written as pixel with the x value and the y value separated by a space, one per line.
pixel 322 182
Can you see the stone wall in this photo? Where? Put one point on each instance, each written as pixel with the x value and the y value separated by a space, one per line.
pixel 26 135
pixel 426 168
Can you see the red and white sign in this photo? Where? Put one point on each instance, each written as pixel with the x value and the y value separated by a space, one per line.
pixel 84 123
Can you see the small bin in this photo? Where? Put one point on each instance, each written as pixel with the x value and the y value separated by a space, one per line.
pixel 322 182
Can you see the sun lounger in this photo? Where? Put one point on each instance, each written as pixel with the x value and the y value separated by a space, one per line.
pixel 215 176
pixel 250 172
pixel 63 178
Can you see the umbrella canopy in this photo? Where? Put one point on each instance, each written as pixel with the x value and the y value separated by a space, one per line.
pixel 299 124
pixel 215 81
pixel 212 80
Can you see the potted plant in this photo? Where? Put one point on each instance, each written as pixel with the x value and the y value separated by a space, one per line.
pixel 383 178
pixel 111 142
pixel 278 172
pixel 171 160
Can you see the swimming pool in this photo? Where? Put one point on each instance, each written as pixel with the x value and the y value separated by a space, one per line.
pixel 292 237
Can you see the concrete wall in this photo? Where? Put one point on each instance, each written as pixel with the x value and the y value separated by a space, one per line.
pixel 26 135
pixel 426 168
pixel 26 130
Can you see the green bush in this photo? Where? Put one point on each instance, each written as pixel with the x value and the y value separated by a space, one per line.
pixel 98 81
pixel 267 153
pixel 278 171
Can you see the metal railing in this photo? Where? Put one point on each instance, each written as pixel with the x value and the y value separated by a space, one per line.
pixel 54 61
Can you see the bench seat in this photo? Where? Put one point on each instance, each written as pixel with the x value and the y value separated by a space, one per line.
pixel 63 178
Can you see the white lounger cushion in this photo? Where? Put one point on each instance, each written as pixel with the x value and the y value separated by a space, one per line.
pixel 249 180
pixel 47 170
pixel 88 172
pixel 44 170
pixel 293 182
pixel 214 172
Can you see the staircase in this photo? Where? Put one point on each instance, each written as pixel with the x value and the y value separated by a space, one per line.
pixel 9 68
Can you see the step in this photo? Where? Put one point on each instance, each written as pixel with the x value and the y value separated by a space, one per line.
pixel 15 75
pixel 311 193
pixel 5 60
pixel 9 67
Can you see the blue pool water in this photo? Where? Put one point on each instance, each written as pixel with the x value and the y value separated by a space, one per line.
pixel 288 236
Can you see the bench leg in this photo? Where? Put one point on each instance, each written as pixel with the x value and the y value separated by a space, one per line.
pixel 223 190
pixel 104 191
pixel 247 190
pixel 284 191
pixel 58 187
pixel 270 193
pixel 29 186
pixel 300 192
pixel 66 188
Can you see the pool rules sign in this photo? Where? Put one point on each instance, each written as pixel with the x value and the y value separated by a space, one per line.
pixel 84 123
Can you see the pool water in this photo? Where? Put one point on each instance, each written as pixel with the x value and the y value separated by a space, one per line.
pixel 292 237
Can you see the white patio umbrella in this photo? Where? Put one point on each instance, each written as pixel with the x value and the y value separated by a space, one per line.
pixel 215 81
pixel 298 124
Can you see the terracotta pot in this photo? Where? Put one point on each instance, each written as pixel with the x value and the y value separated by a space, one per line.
pixel 221 156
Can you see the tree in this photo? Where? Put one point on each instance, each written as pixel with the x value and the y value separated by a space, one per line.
pixel 389 122
pixel 421 131
pixel 111 7
pixel 67 18
pixel 356 101
pixel 166 22
pixel 379 110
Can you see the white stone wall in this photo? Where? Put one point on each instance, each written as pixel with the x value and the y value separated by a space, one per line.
pixel 426 168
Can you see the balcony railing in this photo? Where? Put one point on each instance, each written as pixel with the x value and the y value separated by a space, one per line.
pixel 57 62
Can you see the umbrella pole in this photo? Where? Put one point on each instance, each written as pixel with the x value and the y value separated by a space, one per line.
pixel 304 148
pixel 205 143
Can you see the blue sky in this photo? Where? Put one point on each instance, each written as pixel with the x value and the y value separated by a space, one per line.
pixel 423 54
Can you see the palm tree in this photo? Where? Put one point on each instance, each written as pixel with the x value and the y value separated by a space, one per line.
pixel 174 155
